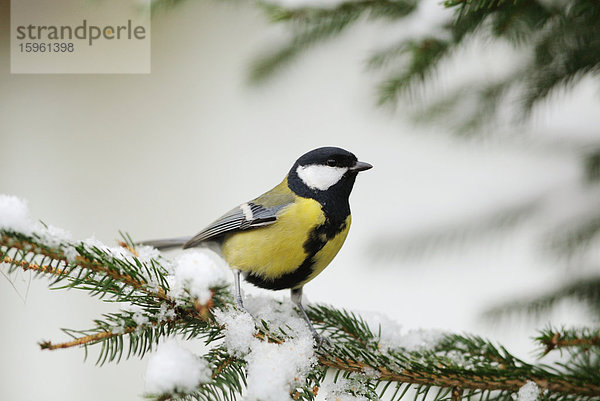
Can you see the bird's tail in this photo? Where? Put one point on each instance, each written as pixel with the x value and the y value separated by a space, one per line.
pixel 164 244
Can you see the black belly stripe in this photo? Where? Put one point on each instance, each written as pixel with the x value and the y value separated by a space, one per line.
pixel 312 246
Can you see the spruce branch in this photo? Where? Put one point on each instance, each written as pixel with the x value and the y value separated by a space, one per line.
pixel 96 264
pixel 556 339
pixel 82 341
pixel 32 266
pixel 448 379
pixel 363 359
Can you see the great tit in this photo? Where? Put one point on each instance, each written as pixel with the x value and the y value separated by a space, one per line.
pixel 287 236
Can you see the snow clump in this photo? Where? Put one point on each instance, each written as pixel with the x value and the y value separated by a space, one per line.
pixel 274 370
pixel 393 336
pixel 528 392
pixel 196 272
pixel 14 216
pixel 343 390
pixel 172 368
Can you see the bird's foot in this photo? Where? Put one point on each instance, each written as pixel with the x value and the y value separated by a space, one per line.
pixel 321 341
pixel 239 304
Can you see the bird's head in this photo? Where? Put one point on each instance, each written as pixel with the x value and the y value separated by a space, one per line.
pixel 325 170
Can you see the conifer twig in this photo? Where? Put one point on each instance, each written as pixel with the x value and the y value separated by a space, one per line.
pixel 30 247
pixel 493 381
pixel 558 340
pixel 32 266
pixel 96 337
pixel 457 393
pixel 83 341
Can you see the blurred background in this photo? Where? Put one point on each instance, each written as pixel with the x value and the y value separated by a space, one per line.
pixel 446 227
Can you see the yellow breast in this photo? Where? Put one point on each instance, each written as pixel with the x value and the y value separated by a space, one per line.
pixel 278 249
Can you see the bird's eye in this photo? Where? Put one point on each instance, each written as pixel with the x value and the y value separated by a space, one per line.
pixel 331 162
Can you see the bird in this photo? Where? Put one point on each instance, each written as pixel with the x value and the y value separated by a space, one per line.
pixel 284 238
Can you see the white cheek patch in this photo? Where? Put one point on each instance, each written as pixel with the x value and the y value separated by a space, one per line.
pixel 320 177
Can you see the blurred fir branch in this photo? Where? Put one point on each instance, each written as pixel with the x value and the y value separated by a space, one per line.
pixel 559 43
pixel 454 367
pixel 585 290
pixel 576 237
pixel 416 245
pixel 310 26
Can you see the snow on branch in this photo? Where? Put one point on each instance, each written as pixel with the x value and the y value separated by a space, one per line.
pixel 270 354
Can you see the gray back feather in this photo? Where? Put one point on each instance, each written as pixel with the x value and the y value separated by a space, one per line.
pixel 235 220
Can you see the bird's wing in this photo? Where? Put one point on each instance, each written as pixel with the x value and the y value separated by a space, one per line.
pixel 244 217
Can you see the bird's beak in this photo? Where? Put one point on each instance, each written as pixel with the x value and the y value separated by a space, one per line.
pixel 360 166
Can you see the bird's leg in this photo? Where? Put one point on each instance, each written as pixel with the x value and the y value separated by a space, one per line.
pixel 238 290
pixel 296 296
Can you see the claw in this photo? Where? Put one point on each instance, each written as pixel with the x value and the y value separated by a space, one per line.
pixel 321 341
pixel 240 306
